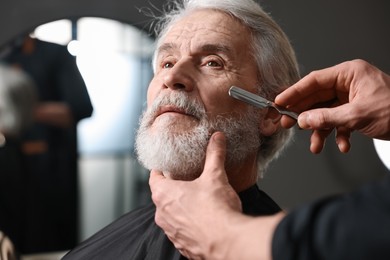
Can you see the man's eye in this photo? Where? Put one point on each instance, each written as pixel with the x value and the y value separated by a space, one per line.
pixel 167 65
pixel 213 64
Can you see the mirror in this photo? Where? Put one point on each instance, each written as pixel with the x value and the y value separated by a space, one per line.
pixel 115 64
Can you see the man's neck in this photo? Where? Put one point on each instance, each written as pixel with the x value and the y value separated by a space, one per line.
pixel 244 175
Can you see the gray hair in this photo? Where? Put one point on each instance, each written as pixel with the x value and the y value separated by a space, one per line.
pixel 17 99
pixel 273 53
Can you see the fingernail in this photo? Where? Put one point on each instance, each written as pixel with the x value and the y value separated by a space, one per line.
pixel 219 138
pixel 302 120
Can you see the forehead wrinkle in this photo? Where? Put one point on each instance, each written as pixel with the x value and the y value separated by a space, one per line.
pixel 189 30
pixel 171 47
pixel 167 47
pixel 194 36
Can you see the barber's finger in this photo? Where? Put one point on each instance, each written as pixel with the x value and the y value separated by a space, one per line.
pixel 155 176
pixel 342 139
pixel 326 118
pixel 287 121
pixel 215 155
pixel 310 86
pixel 317 140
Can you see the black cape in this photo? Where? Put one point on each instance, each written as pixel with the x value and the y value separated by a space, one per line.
pixel 136 236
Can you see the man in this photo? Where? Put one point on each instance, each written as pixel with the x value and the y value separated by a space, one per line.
pixel 203 49
pixel 354 226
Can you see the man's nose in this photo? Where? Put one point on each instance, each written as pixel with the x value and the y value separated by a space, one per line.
pixel 180 76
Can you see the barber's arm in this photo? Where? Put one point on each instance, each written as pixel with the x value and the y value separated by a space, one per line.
pixel 353 226
pixel 359 95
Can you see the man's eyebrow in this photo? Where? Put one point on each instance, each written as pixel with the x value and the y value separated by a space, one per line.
pixel 167 47
pixel 210 48
pixel 216 48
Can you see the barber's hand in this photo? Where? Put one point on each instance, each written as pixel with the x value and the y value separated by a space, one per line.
pixel 350 96
pixel 192 213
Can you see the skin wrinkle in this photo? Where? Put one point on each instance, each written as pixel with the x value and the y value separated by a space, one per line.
pixel 175 34
pixel 188 30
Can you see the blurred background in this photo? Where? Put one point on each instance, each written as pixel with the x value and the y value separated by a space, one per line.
pixel 112 42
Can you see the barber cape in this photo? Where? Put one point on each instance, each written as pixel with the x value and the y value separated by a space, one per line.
pixel 136 236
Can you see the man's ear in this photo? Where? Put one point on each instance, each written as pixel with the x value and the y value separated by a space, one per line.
pixel 270 122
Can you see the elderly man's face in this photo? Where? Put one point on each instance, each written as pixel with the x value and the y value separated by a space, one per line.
pixel 198 60
pixel 203 54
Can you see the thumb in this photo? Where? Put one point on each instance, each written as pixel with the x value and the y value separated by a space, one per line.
pixel 215 156
pixel 155 178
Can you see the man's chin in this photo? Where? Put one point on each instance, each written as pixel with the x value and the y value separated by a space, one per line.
pixel 180 124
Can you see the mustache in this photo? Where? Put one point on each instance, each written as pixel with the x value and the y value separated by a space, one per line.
pixel 181 101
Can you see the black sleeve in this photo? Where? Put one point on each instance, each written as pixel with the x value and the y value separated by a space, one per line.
pixel 71 85
pixel 353 226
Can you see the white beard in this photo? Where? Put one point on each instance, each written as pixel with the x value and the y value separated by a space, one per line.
pixel 182 155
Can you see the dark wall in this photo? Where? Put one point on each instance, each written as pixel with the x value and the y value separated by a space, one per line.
pixel 323 33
